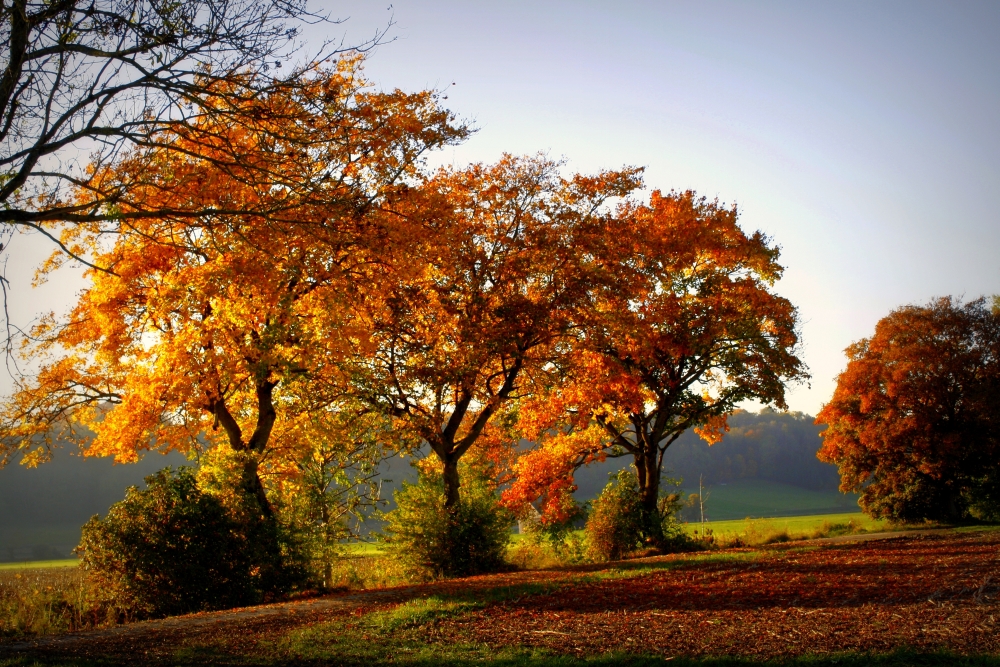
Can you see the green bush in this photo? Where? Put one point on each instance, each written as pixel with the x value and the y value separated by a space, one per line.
pixel 548 543
pixel 171 549
pixel 984 498
pixel 433 542
pixel 617 525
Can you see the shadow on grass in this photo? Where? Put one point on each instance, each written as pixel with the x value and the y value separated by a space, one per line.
pixel 197 657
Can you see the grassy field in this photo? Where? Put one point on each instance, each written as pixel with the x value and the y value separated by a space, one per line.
pixel 40 564
pixel 798 526
pixel 734 501
pixel 757 499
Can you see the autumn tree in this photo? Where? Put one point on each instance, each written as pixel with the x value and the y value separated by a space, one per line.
pixel 226 330
pixel 913 422
pixel 684 326
pixel 471 317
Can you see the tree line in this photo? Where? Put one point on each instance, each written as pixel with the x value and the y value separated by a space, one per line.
pixel 769 445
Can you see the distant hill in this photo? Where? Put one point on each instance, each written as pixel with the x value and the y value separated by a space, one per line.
pixel 43 508
pixel 765 465
pixel 762 447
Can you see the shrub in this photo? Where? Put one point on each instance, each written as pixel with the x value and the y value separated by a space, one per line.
pixel 617 525
pixel 172 548
pixel 433 542
pixel 984 498
pixel 614 527
pixel 549 543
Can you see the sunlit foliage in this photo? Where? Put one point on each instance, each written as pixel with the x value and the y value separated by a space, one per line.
pixel 683 326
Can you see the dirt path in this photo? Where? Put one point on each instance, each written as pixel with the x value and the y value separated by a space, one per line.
pixel 172 632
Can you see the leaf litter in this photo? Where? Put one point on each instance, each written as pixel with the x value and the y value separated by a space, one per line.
pixel 926 593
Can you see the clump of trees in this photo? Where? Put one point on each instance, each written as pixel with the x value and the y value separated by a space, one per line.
pixel 772 445
pixel 289 294
pixel 913 422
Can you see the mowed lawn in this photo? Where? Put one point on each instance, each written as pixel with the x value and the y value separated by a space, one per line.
pixel 916 600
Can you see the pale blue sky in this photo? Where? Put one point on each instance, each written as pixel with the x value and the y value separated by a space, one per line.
pixel 863 137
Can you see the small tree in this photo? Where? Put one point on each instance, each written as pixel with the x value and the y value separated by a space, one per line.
pixel 331 485
pixel 617 525
pixel 437 540
pixel 914 423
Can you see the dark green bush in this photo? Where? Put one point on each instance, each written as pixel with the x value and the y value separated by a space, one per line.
pixel 171 549
pixel 434 542
pixel 984 498
pixel 618 526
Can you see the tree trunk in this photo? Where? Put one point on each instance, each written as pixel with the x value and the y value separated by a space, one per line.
pixel 451 483
pixel 327 540
pixel 254 447
pixel 648 474
pixel 254 488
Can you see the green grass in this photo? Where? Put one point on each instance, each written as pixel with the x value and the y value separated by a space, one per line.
pixel 794 525
pixel 363 548
pixel 40 564
pixel 758 498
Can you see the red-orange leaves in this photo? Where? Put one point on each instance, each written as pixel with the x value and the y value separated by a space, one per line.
pixel 913 421
pixel 479 299
pixel 681 326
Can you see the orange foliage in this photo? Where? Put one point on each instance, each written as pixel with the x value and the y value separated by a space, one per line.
pixel 471 310
pixel 228 321
pixel 681 328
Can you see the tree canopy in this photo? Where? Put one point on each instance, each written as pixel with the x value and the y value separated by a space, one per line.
pixel 684 327
pixel 230 321
pixel 914 423
pixel 474 307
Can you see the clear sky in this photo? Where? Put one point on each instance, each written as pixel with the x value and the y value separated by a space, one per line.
pixel 864 138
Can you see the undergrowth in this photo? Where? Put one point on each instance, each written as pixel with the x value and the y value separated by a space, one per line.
pixel 368 571
pixel 47 601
